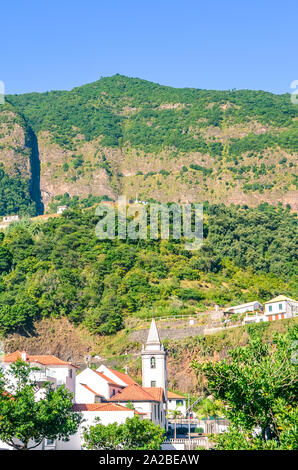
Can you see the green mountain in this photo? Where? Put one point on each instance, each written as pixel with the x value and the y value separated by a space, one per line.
pixel 123 135
pixel 58 268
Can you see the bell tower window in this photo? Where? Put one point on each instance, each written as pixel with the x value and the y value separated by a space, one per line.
pixel 152 362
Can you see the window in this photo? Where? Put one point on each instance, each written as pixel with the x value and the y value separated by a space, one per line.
pixel 152 363
pixel 70 373
pixel 280 306
pixel 270 308
pixel 179 402
pixel 153 383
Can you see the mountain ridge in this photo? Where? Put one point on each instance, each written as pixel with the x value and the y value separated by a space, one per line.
pixel 130 136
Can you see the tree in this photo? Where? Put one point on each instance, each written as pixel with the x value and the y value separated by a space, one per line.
pixel 258 383
pixel 26 418
pixel 210 409
pixel 134 434
pixel 174 414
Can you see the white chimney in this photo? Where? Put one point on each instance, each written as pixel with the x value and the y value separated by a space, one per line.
pixel 24 356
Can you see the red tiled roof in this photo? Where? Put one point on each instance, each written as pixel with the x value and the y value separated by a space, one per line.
pixel 46 360
pixel 122 376
pixel 174 395
pixel 107 379
pixel 135 392
pixel 99 407
pixel 90 390
pixel 156 392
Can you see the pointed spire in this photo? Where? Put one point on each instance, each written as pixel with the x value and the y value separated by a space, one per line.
pixel 153 336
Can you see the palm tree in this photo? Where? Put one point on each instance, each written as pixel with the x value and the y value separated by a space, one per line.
pixel 174 414
pixel 210 408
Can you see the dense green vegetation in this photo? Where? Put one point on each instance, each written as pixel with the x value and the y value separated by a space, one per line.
pixel 151 123
pixel 258 385
pixel 75 202
pixel 25 421
pixel 59 268
pixel 232 143
pixel 14 195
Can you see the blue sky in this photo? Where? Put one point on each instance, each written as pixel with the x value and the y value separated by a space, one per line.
pixel 223 44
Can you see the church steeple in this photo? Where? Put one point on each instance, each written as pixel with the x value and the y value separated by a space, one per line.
pixel 154 361
pixel 153 341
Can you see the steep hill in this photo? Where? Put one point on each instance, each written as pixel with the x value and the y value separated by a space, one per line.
pixel 123 135
pixel 59 268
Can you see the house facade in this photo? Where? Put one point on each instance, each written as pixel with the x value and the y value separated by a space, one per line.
pixel 50 369
pixel 280 307
pixel 91 383
pixel 176 402
pixel 243 308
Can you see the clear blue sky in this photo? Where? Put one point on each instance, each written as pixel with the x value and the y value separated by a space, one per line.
pixel 219 44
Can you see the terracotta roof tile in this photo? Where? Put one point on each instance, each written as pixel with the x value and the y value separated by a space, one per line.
pixel 174 395
pixel 156 392
pixel 110 381
pixel 135 392
pixel 90 390
pixel 122 376
pixel 99 407
pixel 47 360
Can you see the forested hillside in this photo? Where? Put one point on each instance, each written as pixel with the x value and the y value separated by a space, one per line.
pixel 59 268
pixel 123 135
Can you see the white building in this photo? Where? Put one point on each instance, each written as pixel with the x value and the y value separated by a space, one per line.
pixel 51 369
pixel 106 393
pixel 148 401
pixel 281 307
pixel 10 218
pixel 176 402
pixel 91 383
pixel 154 361
pixel 242 308
pixel 108 413
pixel 61 209
pixel 151 398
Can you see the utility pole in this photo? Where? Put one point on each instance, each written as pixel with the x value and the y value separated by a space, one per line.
pixel 189 408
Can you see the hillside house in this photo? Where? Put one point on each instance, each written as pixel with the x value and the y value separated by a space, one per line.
pixel 10 218
pixel 243 308
pixel 280 307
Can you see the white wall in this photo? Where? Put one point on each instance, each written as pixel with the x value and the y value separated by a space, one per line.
pixel 172 405
pixel 157 374
pixel 106 417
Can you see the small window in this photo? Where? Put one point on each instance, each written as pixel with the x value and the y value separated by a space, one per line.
pixel 70 373
pixel 270 308
pixel 153 383
pixel 280 306
pixel 152 363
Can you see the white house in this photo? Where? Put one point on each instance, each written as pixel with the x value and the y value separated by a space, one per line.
pixel 10 218
pixel 119 377
pixel 50 368
pixel 148 401
pixel 281 307
pixel 107 413
pixel 242 308
pixel 61 209
pixel 91 383
pixel 254 319
pixel 176 402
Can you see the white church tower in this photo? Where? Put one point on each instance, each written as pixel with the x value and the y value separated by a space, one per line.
pixel 154 361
